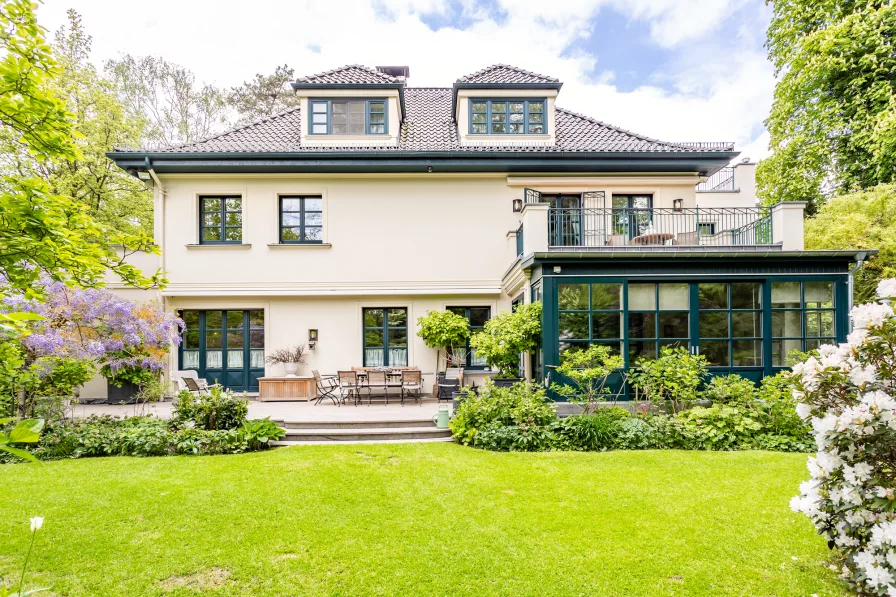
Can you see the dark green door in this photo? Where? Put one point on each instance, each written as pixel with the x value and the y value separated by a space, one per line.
pixel 224 347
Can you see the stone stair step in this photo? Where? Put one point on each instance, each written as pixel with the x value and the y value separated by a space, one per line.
pixel 357 424
pixel 373 434
pixel 365 441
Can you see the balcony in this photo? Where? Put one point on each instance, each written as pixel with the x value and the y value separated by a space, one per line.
pixel 723 180
pixel 612 229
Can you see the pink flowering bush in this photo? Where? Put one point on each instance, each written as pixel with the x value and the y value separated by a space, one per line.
pixel 847 394
pixel 95 324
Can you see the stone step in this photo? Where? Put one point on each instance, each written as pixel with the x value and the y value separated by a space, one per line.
pixel 365 434
pixel 364 441
pixel 356 424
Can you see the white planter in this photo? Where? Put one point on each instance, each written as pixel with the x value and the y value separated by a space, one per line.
pixel 291 369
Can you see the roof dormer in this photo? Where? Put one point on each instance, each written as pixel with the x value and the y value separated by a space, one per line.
pixel 352 106
pixel 504 105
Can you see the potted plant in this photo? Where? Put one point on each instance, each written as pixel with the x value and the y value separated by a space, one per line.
pixel 505 337
pixel 443 329
pixel 124 383
pixel 290 358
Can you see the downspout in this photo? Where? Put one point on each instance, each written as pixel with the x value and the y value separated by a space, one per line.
pixel 161 240
pixel 860 259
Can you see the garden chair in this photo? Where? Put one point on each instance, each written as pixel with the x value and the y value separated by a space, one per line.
pixel 449 383
pixel 377 380
pixel 326 387
pixel 411 384
pixel 349 385
pixel 197 386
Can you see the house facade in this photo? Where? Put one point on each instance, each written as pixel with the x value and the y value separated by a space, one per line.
pixel 372 202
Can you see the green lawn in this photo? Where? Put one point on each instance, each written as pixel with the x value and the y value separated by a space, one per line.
pixel 417 519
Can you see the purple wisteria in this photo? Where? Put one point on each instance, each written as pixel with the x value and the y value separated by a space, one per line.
pixel 94 323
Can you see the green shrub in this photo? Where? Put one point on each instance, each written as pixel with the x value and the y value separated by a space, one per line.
pixel 257 433
pixel 508 334
pixel 730 389
pixel 521 404
pixel 635 434
pixel 673 378
pixel 516 438
pixel 589 370
pixel 217 409
pixel 718 427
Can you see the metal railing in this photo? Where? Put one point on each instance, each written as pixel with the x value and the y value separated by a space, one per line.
pixel 519 241
pixel 632 227
pixel 723 180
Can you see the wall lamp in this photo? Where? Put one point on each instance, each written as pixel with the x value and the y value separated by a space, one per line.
pixel 677 204
pixel 312 339
pixel 517 205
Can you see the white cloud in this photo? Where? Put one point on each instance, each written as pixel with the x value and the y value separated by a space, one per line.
pixel 707 93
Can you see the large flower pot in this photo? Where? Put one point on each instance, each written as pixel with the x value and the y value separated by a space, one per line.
pixel 126 394
pixel 505 382
pixel 291 369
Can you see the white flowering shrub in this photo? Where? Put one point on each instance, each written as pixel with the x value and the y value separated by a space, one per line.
pixel 847 394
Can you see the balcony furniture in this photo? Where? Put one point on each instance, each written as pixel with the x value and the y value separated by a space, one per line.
pixel 287 389
pixel 349 385
pixel 617 240
pixel 411 385
pixel 476 377
pixel 686 238
pixel 449 383
pixel 194 386
pixel 377 380
pixel 326 386
pixel 653 238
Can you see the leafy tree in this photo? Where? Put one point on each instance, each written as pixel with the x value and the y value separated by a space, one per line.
pixel 833 119
pixel 264 95
pixel 443 329
pixel 176 108
pixel 862 220
pixel 589 370
pixel 506 336
pixel 41 231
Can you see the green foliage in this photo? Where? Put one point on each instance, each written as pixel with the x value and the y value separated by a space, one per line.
pixel 589 370
pixel 507 335
pixel 832 120
pixel 717 427
pixel 26 431
pixel 264 95
pixel 217 409
pixel 636 433
pixel 673 378
pixel 594 431
pixel 860 220
pixel 443 329
pixel 42 383
pixel 257 433
pixel 41 230
pixel 521 405
pixel 730 389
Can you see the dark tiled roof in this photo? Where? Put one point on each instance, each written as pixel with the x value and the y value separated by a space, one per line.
pixel 429 126
pixel 504 73
pixel 351 73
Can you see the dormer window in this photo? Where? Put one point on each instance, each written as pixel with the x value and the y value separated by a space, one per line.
pixel 507 117
pixel 348 117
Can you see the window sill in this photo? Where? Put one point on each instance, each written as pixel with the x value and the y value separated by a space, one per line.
pixel 299 245
pixel 230 246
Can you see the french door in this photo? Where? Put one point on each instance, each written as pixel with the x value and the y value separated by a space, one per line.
pixel 565 220
pixel 224 347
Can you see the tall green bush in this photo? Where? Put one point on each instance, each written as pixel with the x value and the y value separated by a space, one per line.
pixel 217 409
pixel 674 378
pixel 507 335
pixel 443 330
pixel 521 405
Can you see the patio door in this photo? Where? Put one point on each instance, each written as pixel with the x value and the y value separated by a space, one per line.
pixel 224 347
pixel 565 220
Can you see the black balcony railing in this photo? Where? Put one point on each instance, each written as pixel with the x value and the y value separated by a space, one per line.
pixel 723 180
pixel 628 227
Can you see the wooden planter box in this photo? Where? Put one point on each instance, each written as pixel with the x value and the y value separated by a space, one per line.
pixel 274 389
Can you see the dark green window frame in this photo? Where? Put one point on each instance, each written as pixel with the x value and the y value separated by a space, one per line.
pixel 508 116
pixel 375 113
pixel 236 334
pixel 220 219
pixel 301 219
pixel 467 312
pixel 657 324
pixel 384 328
pixel 815 319
pixel 725 321
pixel 587 317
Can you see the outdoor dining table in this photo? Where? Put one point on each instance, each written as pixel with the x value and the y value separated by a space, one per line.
pixel 652 238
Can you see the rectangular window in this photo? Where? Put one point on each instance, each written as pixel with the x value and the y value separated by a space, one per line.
pixel 590 314
pixel 658 316
pixel 301 219
pixel 730 323
pixel 220 220
pixel 385 337
pixel 507 117
pixel 802 317
pixel 348 117
pixel 476 317
pixel 225 347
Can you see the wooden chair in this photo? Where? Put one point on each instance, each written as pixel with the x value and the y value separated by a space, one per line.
pixel 195 385
pixel 411 384
pixel 349 385
pixel 326 387
pixel 377 380
pixel 450 383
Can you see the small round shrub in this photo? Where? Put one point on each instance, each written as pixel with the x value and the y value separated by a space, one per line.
pixel 634 434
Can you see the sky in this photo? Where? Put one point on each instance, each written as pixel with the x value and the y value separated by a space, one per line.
pixel 677 70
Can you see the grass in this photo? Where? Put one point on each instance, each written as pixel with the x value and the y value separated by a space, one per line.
pixel 415 520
